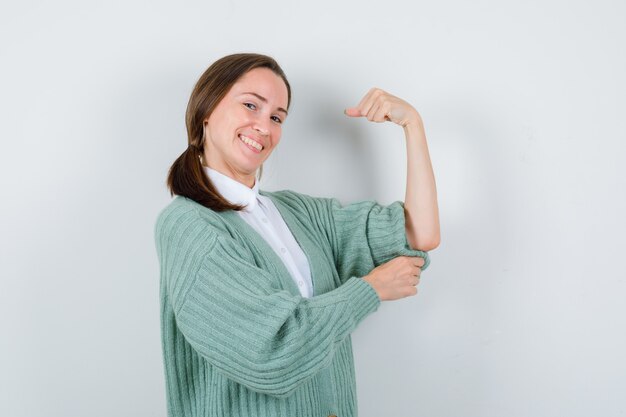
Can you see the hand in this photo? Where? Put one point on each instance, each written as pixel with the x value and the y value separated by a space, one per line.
pixel 379 106
pixel 397 278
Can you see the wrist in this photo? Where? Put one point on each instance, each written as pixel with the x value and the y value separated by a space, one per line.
pixel 414 129
pixel 414 122
pixel 370 280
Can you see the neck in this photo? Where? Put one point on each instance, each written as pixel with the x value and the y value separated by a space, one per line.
pixel 246 179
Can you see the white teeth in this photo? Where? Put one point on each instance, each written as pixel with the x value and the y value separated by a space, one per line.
pixel 249 141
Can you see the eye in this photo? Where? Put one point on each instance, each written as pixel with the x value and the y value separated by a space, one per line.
pixel 251 106
pixel 277 119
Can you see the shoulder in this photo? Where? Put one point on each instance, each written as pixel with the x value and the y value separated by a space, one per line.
pixel 178 209
pixel 178 212
pixel 184 219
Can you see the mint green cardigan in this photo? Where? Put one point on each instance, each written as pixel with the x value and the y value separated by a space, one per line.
pixel 238 339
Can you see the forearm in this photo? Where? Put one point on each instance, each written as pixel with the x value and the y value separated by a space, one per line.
pixel 420 202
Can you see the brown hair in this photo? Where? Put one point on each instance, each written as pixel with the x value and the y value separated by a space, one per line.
pixel 186 176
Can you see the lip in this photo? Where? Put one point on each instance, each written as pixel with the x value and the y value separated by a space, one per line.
pixel 254 138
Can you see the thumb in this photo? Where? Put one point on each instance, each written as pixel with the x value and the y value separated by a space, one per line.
pixel 352 112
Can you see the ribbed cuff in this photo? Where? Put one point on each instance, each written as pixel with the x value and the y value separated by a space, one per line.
pixel 361 296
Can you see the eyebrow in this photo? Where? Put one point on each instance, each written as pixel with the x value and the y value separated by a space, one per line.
pixel 264 100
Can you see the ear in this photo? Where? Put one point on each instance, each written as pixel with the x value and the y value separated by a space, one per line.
pixel 205 124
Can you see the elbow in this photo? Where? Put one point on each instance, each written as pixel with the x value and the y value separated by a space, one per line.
pixel 427 244
pixel 433 243
pixel 425 238
pixel 430 246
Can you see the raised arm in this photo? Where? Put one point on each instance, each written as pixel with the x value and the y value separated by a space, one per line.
pixel 420 203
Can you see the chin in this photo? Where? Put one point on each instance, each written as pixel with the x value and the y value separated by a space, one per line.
pixel 250 169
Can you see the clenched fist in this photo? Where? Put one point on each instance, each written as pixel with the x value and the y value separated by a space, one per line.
pixel 397 278
pixel 380 106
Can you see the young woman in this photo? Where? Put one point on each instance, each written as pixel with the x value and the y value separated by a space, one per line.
pixel 260 290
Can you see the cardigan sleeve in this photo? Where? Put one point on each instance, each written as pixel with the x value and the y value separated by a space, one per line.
pixel 362 235
pixel 367 234
pixel 225 306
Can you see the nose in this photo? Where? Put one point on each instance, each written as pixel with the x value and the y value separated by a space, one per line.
pixel 262 127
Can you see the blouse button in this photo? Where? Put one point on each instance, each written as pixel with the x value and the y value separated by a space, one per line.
pixel 300 283
pixel 283 250
pixel 264 220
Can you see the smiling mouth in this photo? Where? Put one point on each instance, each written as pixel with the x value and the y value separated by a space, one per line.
pixel 251 142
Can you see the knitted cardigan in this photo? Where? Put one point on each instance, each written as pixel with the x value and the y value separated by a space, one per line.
pixel 238 339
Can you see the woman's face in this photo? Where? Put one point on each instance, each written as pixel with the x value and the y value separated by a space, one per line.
pixel 252 111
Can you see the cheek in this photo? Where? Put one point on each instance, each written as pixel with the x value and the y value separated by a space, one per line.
pixel 227 118
pixel 277 133
pixel 228 123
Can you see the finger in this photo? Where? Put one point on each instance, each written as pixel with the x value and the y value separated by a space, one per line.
pixel 366 98
pixel 369 101
pixel 365 108
pixel 380 115
pixel 352 112
pixel 359 107
pixel 374 110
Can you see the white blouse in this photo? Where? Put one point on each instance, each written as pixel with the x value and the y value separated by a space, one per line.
pixel 265 218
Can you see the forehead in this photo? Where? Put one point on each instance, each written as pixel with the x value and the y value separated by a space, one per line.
pixel 264 82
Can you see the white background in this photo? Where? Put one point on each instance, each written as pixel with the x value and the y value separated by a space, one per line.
pixel 522 311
